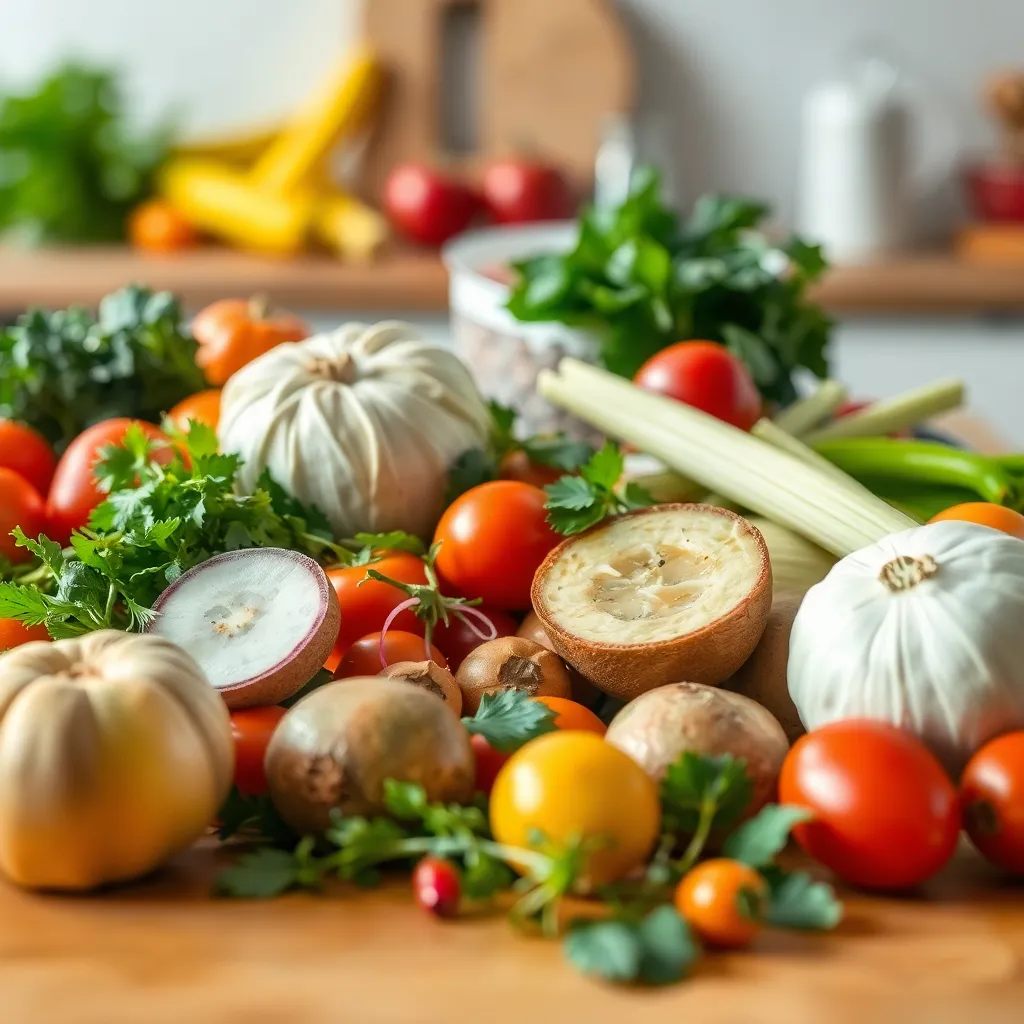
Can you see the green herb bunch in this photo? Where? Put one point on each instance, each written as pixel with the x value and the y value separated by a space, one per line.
pixel 642 277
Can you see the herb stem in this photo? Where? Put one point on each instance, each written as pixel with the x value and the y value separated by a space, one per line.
pixel 708 807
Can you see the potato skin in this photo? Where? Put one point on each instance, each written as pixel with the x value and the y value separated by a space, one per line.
pixel 662 724
pixel 335 748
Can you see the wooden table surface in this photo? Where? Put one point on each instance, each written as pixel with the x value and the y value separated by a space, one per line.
pixel 163 951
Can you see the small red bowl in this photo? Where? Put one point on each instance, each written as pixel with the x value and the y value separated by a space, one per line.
pixel 996 190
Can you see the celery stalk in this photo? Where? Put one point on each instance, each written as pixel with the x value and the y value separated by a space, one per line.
pixel 807 413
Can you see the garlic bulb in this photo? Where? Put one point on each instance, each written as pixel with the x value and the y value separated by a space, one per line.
pixel 922 630
pixel 797 564
pixel 363 422
pixel 115 753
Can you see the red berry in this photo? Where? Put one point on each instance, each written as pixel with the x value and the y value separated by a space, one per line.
pixel 437 886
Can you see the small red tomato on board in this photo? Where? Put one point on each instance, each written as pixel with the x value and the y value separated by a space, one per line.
pixel 426 206
pixel 493 539
pixel 363 657
pixel 74 492
pixel 366 605
pixel 992 801
pixel 14 633
pixel 437 886
pixel 20 505
pixel 885 812
pixel 457 639
pixel 523 191
pixel 27 453
pixel 251 729
pixel 713 896
pixel 489 762
pixel 517 465
pixel 708 377
pixel 570 715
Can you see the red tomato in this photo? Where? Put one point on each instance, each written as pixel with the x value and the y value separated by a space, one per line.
pixel 365 606
pixel 74 492
pixel 488 763
pixel 28 453
pixel 517 466
pixel 992 801
pixel 14 634
pixel 20 505
pixel 363 657
pixel 457 639
pixel 251 729
pixel 493 539
pixel 708 377
pixel 520 191
pixel 885 812
pixel 426 206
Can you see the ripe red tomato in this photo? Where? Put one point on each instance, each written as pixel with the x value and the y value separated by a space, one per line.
pixel 251 729
pixel 28 453
pixel 518 466
pixel 74 492
pixel 992 801
pixel 457 639
pixel 20 505
pixel 14 634
pixel 426 206
pixel 708 377
pixel 488 763
pixel 885 812
pixel 493 539
pixel 363 657
pixel 365 606
pixel 521 191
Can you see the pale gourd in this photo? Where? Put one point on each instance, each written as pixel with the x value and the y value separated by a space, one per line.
pixel 115 754
pixel 922 630
pixel 363 422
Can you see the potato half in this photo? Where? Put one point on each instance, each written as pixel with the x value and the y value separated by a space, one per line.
pixel 657 596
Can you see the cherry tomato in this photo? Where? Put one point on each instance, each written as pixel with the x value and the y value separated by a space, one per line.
pixel 437 886
pixel 363 657
pixel 493 539
pixel 723 901
pixel 365 606
pixel 708 377
pixel 156 226
pixel 457 639
pixel 251 729
pixel 28 453
pixel 992 801
pixel 571 786
pixel 14 634
pixel 204 407
pixel 572 716
pixel 426 206
pixel 885 812
pixel 20 505
pixel 516 465
pixel 488 763
pixel 985 514
pixel 521 191
pixel 74 492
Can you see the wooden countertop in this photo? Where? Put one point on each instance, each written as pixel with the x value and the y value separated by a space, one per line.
pixel 415 282
pixel 162 952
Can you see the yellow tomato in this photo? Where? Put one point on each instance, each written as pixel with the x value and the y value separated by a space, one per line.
pixel 985 513
pixel 569 785
pixel 203 407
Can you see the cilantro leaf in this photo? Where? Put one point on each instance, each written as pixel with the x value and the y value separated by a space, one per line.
pixel 472 468
pixel 508 719
pixel 557 451
pixel 798 901
pixel 261 874
pixel 694 781
pixel 24 603
pixel 756 842
pixel 605 467
pixel 668 950
pixel 610 950
pixel 395 540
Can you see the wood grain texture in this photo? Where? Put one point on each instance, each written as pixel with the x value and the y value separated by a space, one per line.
pixel 162 952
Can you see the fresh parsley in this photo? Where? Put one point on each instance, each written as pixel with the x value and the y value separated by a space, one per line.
pixel 642 277
pixel 575 503
pixel 800 902
pixel 761 839
pixel 509 719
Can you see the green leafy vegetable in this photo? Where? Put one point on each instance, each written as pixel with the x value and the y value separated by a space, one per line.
pixel 642 278
pixel 63 371
pixel 509 719
pixel 797 901
pixel 575 503
pixel 758 841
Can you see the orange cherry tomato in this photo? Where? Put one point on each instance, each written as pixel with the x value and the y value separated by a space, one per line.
pixel 363 657
pixel 28 453
pixel 984 513
pixel 233 332
pixel 992 801
pixel 14 634
pixel 203 407
pixel 251 729
pixel 517 465
pixel 365 606
pixel 723 901
pixel 573 716
pixel 20 505
pixel 156 226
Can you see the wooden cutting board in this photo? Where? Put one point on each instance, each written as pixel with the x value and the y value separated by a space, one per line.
pixel 545 77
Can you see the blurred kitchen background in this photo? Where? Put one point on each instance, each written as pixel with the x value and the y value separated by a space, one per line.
pixel 876 128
